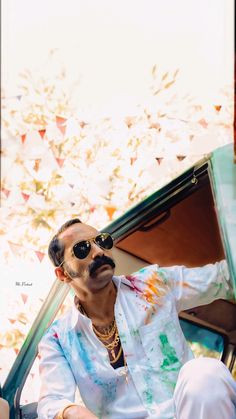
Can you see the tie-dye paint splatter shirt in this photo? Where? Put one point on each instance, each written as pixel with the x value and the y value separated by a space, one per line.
pixel 146 312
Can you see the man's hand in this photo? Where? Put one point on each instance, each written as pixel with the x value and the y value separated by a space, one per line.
pixel 78 412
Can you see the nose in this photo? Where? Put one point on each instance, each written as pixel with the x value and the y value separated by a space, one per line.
pixel 96 251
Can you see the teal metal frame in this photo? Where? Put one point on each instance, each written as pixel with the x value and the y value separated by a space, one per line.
pixel 222 171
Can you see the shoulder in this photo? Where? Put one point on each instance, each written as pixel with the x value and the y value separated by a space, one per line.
pixel 151 281
pixel 58 328
pixel 148 274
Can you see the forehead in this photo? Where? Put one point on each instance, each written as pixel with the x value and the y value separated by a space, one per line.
pixel 77 232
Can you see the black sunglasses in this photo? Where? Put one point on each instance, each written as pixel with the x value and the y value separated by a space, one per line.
pixel 82 249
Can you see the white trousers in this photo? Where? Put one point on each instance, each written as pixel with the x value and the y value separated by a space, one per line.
pixel 205 390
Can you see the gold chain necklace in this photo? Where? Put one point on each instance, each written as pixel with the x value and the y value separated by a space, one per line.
pixel 117 357
pixel 110 345
pixel 106 335
pixel 107 332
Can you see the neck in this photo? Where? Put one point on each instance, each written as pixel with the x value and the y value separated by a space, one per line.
pixel 99 306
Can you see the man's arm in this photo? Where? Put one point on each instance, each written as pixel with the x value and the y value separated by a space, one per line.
pixel 4 409
pixel 193 287
pixel 57 393
pixel 75 412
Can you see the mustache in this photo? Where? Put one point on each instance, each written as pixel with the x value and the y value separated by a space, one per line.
pixel 99 261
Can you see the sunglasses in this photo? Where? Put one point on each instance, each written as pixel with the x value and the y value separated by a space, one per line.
pixel 82 249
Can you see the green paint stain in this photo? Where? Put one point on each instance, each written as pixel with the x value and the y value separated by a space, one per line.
pixel 170 384
pixel 229 295
pixel 134 332
pixel 169 353
pixel 123 338
pixel 163 276
pixel 218 289
pixel 148 396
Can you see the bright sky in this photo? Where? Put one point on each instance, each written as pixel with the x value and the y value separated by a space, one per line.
pixel 112 45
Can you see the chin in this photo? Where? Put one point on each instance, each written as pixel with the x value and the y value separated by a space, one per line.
pixel 101 280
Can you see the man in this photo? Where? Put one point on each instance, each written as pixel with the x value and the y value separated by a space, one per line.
pixel 4 409
pixel 121 343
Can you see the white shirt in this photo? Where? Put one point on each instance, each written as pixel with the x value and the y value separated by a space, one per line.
pixel 146 313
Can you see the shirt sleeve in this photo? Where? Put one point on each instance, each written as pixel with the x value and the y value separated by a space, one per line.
pixel 192 287
pixel 57 381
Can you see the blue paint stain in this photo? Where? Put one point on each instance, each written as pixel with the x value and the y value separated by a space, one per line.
pixel 83 354
pixel 108 389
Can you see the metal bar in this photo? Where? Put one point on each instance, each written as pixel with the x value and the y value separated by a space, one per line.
pixel 23 363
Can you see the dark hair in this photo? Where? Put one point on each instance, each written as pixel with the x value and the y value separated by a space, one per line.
pixel 56 247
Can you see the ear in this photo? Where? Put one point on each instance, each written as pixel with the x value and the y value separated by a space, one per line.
pixel 62 275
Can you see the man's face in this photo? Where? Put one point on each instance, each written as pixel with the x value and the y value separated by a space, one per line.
pixel 92 273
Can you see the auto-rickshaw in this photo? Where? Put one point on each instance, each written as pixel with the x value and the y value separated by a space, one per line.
pixel 190 221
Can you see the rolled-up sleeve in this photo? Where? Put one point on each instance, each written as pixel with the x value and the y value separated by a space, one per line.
pixel 193 287
pixel 57 381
